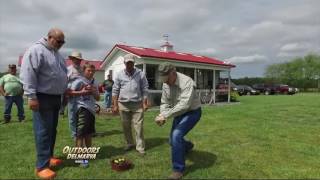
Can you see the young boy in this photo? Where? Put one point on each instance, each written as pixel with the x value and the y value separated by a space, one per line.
pixel 84 92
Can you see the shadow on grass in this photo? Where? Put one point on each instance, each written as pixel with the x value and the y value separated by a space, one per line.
pixel 109 151
pixel 200 159
pixel 66 163
pixel 154 142
pixel 107 133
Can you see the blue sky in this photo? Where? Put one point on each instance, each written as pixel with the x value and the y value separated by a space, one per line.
pixel 248 33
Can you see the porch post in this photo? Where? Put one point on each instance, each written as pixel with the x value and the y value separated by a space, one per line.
pixel 229 84
pixel 144 68
pixel 195 76
pixel 214 86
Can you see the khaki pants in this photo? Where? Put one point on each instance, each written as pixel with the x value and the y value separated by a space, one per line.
pixel 131 113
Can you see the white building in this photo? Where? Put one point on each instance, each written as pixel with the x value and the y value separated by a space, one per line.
pixel 205 71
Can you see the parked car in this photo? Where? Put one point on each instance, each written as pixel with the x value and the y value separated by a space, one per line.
pixel 222 89
pixel 284 89
pixel 246 90
pixel 268 89
pixel 222 92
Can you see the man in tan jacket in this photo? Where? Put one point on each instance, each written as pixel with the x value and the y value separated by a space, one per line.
pixel 179 101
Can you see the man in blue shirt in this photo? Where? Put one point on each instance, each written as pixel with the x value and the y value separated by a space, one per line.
pixel 129 94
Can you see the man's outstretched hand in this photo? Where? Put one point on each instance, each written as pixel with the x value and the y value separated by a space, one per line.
pixel 160 120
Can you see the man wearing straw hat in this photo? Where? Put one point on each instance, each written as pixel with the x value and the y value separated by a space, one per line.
pixel 74 72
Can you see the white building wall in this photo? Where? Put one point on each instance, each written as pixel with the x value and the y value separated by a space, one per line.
pixel 116 64
pixel 99 76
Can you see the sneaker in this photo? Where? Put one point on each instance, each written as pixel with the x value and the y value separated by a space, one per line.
pixel 176 175
pixel 55 162
pixel 21 119
pixel 128 148
pixel 142 153
pixel 45 173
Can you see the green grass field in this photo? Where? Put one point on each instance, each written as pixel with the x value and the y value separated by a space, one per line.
pixel 262 137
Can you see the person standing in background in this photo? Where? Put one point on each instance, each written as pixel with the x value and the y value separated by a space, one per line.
pixel 129 96
pixel 107 84
pixel 74 72
pixel 12 90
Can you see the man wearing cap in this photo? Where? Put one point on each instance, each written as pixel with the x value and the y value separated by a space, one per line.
pixel 44 77
pixel 11 88
pixel 180 101
pixel 129 95
pixel 74 72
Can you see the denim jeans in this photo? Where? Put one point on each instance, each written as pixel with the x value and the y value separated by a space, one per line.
pixel 107 99
pixel 179 146
pixel 9 100
pixel 45 122
pixel 72 111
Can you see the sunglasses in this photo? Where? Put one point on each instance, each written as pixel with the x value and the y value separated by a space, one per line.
pixel 58 40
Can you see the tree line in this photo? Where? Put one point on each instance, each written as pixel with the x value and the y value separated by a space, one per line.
pixel 301 72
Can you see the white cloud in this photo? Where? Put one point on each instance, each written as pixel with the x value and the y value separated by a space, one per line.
pixel 293 47
pixel 264 30
pixel 207 51
pixel 297 49
pixel 306 13
pixel 256 58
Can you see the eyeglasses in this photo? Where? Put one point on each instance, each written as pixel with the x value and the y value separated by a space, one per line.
pixel 58 40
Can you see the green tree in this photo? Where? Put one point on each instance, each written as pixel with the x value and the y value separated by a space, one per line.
pixel 300 72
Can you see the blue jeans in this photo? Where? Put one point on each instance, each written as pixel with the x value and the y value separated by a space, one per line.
pixel 107 99
pixel 45 122
pixel 179 146
pixel 72 111
pixel 9 100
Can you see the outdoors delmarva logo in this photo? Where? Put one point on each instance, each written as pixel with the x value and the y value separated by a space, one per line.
pixel 81 154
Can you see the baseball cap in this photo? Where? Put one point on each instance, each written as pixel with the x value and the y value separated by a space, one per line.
pixel 164 70
pixel 129 57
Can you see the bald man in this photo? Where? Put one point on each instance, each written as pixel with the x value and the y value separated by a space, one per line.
pixel 44 77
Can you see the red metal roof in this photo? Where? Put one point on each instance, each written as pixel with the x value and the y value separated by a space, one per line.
pixel 156 53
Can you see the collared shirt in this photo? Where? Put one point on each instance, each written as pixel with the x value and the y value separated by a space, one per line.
pixel 85 101
pixel 73 73
pixel 43 70
pixel 130 88
pixel 179 98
